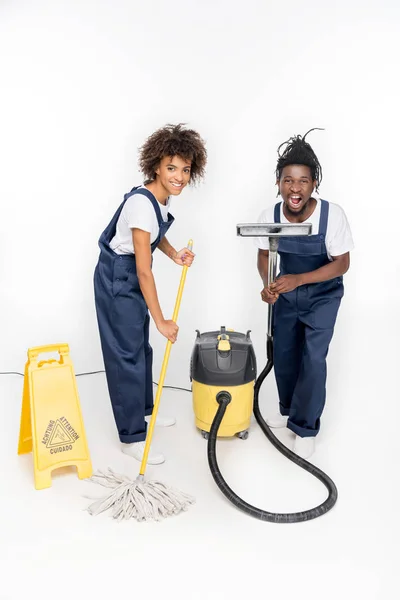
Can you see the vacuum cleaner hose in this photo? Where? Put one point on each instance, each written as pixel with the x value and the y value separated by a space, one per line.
pixel 223 399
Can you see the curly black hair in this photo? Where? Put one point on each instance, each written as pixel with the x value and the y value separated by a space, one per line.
pixel 299 152
pixel 173 140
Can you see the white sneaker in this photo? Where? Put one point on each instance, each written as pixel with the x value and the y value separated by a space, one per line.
pixel 136 450
pixel 162 421
pixel 304 446
pixel 277 420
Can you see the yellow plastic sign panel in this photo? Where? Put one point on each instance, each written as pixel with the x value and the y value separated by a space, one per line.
pixel 51 419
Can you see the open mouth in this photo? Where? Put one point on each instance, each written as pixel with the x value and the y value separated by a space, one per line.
pixel 294 201
pixel 178 186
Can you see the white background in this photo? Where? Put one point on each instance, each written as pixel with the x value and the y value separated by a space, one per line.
pixel 83 83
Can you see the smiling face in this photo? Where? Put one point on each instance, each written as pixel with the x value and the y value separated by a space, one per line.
pixel 296 186
pixel 173 174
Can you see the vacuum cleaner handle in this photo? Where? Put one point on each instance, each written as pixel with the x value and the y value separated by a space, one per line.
pixel 272 268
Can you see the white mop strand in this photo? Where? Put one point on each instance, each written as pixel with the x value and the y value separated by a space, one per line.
pixel 141 500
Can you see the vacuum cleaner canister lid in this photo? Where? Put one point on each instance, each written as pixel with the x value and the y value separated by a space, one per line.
pixel 223 358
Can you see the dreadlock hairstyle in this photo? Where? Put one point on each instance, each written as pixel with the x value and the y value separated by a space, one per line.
pixel 299 152
pixel 173 140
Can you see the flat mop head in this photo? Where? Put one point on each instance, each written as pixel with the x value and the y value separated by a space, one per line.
pixel 138 499
pixel 273 229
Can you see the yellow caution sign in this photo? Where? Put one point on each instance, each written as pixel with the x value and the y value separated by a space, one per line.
pixel 51 419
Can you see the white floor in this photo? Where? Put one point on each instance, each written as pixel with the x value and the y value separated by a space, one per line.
pixel 52 549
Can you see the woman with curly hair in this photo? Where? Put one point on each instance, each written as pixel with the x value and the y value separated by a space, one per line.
pixel 125 289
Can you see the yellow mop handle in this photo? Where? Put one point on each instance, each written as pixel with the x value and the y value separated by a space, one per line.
pixel 163 369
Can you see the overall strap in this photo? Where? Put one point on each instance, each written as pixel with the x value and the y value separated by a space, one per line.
pixel 323 220
pixel 277 212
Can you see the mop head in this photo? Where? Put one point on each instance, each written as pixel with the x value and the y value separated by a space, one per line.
pixel 139 499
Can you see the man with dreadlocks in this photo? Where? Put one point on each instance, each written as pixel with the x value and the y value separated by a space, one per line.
pixel 307 292
pixel 125 290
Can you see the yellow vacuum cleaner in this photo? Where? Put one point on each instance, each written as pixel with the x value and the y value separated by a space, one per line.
pixel 223 360
pixel 226 392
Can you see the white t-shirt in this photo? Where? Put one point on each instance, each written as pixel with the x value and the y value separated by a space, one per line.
pixel 338 238
pixel 138 212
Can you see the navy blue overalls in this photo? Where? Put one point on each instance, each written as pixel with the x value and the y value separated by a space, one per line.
pixel 123 321
pixel 304 321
